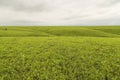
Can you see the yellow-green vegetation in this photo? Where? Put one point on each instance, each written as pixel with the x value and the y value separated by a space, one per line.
pixel 59 53
pixel 59 31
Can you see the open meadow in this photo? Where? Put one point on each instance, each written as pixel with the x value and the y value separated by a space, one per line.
pixel 60 53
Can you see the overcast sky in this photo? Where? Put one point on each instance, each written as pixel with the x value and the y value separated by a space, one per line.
pixel 59 12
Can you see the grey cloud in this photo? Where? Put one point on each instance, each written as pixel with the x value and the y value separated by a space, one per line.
pixel 37 8
pixel 105 22
pixel 114 1
pixel 74 17
pixel 19 5
pixel 23 23
pixel 27 21
pixel 109 3
pixel 59 12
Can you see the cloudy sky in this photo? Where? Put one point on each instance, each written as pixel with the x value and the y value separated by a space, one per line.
pixel 59 12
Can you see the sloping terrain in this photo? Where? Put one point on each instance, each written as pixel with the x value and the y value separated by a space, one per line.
pixel 60 31
pixel 59 53
pixel 109 29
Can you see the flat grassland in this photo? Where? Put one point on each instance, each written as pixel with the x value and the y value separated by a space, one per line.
pixel 60 53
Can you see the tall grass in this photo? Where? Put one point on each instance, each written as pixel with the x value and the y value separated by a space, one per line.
pixel 59 58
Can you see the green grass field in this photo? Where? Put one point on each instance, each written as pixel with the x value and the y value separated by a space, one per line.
pixel 60 53
pixel 60 31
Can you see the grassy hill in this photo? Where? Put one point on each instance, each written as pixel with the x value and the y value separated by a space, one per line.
pixel 59 53
pixel 60 31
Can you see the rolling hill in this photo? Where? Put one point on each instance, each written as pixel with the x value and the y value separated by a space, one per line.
pixel 60 31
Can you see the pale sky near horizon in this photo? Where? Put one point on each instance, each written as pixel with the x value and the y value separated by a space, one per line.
pixel 59 12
